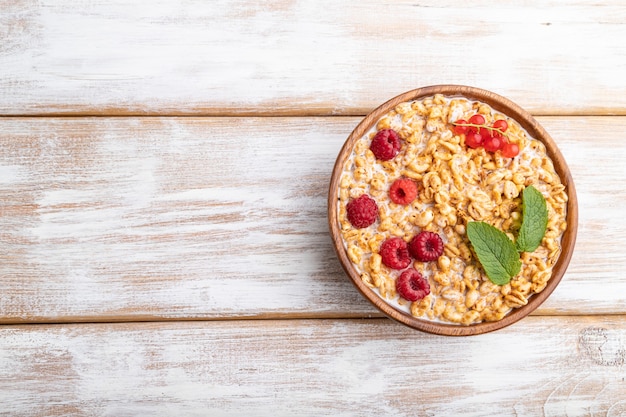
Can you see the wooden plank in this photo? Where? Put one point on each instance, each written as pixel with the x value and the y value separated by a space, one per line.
pixel 304 58
pixel 558 366
pixel 593 152
pixel 109 219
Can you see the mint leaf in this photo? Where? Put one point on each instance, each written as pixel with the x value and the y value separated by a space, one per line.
pixel 495 251
pixel 534 220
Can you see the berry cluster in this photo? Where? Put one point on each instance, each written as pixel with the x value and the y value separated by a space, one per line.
pixel 493 138
pixel 425 247
pixel 396 254
pixel 362 211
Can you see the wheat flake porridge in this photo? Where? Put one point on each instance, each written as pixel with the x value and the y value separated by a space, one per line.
pixel 450 211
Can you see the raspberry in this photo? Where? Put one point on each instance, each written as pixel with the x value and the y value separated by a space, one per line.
pixel 395 253
pixel 412 286
pixel 362 211
pixel 427 246
pixel 386 144
pixel 403 191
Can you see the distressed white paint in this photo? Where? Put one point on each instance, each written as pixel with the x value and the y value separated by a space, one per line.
pixel 556 366
pixel 128 218
pixel 304 57
pixel 186 210
pixel 11 174
pixel 125 219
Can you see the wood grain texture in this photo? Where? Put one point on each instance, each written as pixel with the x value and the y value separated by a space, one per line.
pixel 199 224
pixel 558 366
pixel 297 57
pixel 109 219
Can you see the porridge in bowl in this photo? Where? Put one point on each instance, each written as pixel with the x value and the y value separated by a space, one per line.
pixel 450 211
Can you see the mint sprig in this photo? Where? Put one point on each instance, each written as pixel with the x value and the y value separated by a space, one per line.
pixel 498 255
pixel 495 251
pixel 534 220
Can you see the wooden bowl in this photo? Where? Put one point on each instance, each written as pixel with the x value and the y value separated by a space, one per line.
pixel 515 112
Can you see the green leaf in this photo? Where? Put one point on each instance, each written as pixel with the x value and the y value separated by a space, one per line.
pixel 495 251
pixel 534 220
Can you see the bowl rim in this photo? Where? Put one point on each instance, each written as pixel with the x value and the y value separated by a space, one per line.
pixel 528 122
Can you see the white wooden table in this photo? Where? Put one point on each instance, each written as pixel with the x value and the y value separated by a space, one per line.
pixel 164 247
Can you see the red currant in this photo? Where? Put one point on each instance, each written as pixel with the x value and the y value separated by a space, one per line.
pixel 510 150
pixel 501 125
pixel 486 133
pixel 492 144
pixel 477 119
pixel 473 140
pixel 460 130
